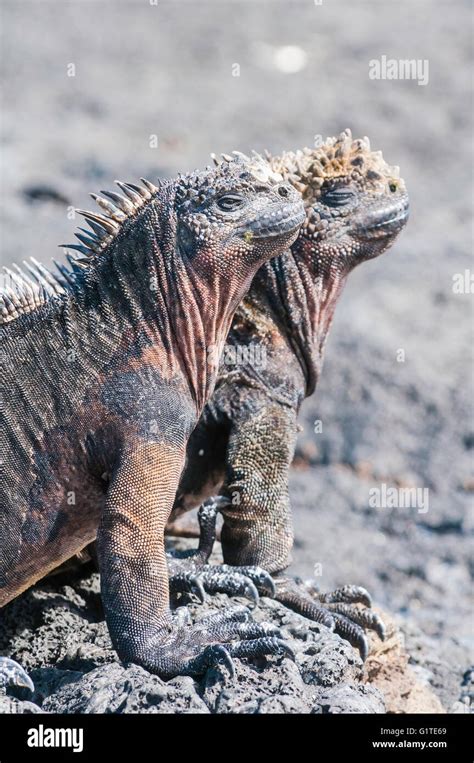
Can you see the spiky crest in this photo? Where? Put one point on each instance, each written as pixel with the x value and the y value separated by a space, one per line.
pixel 23 293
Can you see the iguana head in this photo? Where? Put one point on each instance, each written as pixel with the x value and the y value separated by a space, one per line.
pixel 356 204
pixel 236 215
pixel 225 221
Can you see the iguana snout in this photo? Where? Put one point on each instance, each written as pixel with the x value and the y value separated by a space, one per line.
pixel 385 218
pixel 279 217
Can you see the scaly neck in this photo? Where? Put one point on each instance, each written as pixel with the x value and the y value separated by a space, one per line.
pixel 300 294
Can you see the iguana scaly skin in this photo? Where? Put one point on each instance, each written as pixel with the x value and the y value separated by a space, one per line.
pixel 105 376
pixel 244 443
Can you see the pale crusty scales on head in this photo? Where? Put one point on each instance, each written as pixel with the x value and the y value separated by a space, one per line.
pixel 106 371
pixel 356 204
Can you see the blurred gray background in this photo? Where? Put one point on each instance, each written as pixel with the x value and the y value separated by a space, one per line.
pixel 166 70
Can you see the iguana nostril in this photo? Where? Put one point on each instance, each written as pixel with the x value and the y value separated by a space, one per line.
pixel 283 191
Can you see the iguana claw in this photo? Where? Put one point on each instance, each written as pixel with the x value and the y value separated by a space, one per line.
pixel 352 633
pixel 188 581
pixel 262 579
pixel 352 594
pixel 366 618
pixel 218 654
pixel 12 674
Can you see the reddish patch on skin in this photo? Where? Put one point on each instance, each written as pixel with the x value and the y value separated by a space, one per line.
pixel 153 354
pixel 55 529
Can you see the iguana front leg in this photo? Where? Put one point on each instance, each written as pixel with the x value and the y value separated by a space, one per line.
pixel 134 576
pixel 257 533
pixel 258 527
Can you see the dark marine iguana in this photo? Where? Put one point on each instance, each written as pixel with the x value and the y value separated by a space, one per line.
pixel 104 381
pixel 244 443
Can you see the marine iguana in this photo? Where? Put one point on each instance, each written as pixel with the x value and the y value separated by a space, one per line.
pixel 105 376
pixel 356 204
pixel 267 318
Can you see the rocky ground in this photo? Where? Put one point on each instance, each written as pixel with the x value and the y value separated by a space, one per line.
pixel 57 632
pixel 399 419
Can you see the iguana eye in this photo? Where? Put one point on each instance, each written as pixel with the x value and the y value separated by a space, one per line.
pixel 338 197
pixel 229 202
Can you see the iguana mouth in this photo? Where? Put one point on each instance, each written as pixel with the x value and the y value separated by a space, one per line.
pixel 283 219
pixel 386 221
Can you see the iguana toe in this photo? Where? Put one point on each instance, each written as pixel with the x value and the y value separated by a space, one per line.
pixel 353 633
pixel 262 579
pixel 188 582
pixel 188 574
pixel 366 618
pixel 213 580
pixel 350 594
pixel 230 582
pixel 261 647
pixel 299 601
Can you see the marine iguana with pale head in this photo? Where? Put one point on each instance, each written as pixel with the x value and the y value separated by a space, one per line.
pixel 243 446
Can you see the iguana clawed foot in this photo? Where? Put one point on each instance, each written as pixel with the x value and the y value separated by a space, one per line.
pixel 12 674
pixel 346 610
pixel 190 649
pixel 187 575
pixel 189 570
